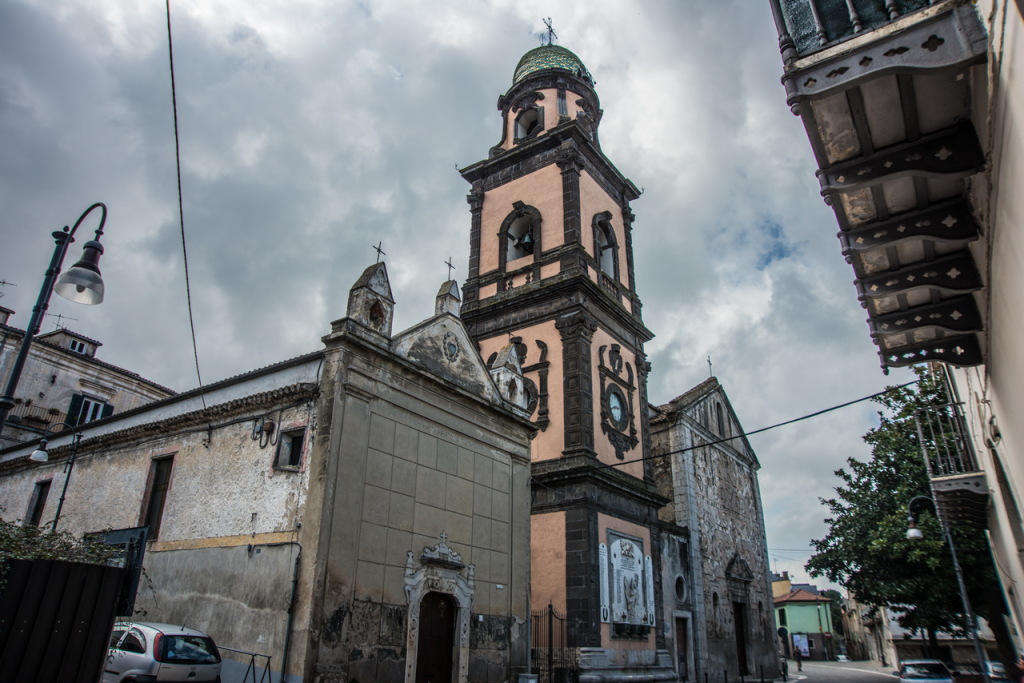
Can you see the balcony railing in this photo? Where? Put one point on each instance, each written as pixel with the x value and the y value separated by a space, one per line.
pixel 35 417
pixel 958 483
pixel 813 24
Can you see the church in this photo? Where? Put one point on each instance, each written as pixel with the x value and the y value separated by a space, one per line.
pixel 477 497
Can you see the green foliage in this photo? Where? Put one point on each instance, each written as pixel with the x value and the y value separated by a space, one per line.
pixel 27 542
pixel 836 609
pixel 866 548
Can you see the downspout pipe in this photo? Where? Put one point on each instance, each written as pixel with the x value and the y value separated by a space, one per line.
pixel 291 609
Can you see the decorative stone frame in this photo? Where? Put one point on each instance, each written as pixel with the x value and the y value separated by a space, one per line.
pixel 440 572
pixel 602 224
pixel 520 210
pixel 516 137
pixel 612 382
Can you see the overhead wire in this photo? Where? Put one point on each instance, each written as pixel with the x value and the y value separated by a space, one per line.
pixel 756 431
pixel 181 211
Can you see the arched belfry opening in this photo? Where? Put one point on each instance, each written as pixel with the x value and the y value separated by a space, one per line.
pixel 529 122
pixel 606 248
pixel 520 239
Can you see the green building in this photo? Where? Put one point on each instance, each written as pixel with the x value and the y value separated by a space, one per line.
pixel 808 622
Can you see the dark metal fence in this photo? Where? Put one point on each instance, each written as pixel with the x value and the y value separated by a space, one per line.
pixel 555 646
pixel 55 620
pixel 252 667
pixel 944 441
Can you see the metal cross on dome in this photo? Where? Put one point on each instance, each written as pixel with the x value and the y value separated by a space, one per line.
pixel 551 32
pixel 380 252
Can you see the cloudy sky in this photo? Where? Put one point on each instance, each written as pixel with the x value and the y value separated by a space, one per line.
pixel 312 129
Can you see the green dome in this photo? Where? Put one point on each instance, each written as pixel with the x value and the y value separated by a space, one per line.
pixel 548 57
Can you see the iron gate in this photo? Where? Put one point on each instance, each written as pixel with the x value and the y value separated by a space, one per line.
pixel 554 647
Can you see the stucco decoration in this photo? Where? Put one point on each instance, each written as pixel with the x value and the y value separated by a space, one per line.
pixel 440 571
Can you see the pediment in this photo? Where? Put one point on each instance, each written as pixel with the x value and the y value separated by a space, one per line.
pixel 442 346
pixel 739 570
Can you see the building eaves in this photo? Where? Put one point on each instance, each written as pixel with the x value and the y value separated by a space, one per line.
pixel 176 398
pixel 176 422
pixel 88 359
pixel 800 595
pixel 70 333
pixel 683 401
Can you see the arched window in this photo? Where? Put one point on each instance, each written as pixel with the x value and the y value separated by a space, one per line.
pixel 721 420
pixel 529 123
pixel 606 249
pixel 520 239
pixel 519 236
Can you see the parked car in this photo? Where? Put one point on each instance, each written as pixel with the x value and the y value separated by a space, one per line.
pixel 996 672
pixel 142 652
pixel 924 670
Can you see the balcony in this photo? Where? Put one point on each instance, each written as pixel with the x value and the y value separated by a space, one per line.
pixel 28 416
pixel 884 90
pixel 958 484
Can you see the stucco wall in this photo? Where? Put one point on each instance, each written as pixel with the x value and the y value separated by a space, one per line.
pixel 551 442
pixel 594 200
pixel 996 390
pixel 542 190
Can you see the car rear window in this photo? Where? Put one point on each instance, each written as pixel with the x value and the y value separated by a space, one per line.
pixel 188 650
pixel 925 670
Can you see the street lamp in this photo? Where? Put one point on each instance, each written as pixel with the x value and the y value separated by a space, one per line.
pixel 913 533
pixel 81 284
pixel 40 455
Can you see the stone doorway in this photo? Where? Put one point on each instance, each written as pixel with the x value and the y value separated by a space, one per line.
pixel 681 651
pixel 437 639
pixel 739 613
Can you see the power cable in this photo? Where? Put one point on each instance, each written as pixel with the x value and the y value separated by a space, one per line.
pixel 181 211
pixel 756 431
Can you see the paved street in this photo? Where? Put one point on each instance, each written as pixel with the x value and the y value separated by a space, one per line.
pixel 841 672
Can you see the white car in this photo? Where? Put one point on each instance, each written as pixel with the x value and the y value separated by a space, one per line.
pixel 142 652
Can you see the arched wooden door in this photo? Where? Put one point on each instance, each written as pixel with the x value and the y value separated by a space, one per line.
pixel 437 639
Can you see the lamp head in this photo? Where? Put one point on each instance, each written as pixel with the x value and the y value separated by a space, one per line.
pixel 913 533
pixel 40 454
pixel 82 282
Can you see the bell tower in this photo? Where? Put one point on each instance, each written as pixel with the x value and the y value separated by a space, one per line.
pixel 551 269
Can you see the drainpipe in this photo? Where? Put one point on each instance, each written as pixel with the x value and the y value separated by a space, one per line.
pixel 291 609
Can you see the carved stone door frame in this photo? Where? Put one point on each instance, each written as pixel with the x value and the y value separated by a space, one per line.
pixel 440 571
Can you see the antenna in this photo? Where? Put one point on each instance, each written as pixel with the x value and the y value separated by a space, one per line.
pixel 551 32
pixel 7 284
pixel 59 317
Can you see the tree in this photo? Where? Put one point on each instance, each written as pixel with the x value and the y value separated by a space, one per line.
pixel 866 548
pixel 835 606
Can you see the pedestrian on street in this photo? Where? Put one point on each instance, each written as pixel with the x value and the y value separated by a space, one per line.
pixel 799 657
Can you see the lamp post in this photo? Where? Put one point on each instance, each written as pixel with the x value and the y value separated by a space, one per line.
pixel 913 534
pixel 40 455
pixel 81 284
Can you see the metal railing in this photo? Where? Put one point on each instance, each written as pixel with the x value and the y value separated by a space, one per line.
pixel 809 25
pixel 267 675
pixel 555 651
pixel 944 442
pixel 35 417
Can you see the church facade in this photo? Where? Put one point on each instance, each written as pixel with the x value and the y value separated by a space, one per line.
pixel 551 268
pixel 718 598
